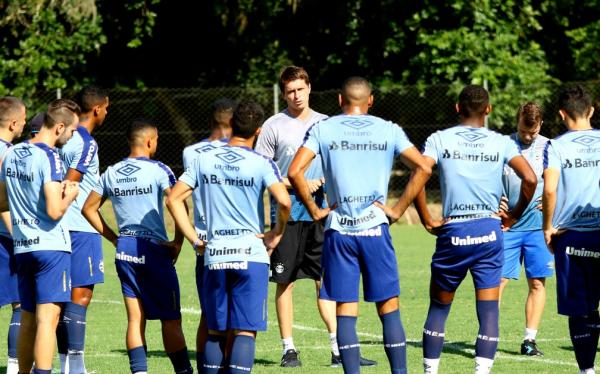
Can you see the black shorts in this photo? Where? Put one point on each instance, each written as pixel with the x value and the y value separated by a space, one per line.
pixel 298 255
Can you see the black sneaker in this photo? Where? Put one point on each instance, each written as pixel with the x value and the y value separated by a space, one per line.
pixel 290 359
pixel 529 348
pixel 336 361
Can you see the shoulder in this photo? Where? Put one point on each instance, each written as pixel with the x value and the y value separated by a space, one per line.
pixel 276 120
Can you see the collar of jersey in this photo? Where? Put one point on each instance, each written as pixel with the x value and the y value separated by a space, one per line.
pixel 5 142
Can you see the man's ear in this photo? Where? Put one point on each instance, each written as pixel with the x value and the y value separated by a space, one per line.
pixel 591 113
pixel 341 100
pixel 563 115
pixel 488 109
pixel 457 108
pixel 371 100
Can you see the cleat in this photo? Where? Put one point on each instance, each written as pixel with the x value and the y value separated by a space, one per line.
pixel 367 362
pixel 290 359
pixel 529 348
pixel 336 361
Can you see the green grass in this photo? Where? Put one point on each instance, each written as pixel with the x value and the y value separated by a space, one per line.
pixel 105 347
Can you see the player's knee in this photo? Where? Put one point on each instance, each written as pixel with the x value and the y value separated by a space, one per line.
pixel 537 284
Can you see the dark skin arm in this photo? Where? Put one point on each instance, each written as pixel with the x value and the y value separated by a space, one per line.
pixel 299 164
pixel 73 175
pixel 528 184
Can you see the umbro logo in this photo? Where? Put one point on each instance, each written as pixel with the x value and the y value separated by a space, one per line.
pixel 357 123
pixel 229 157
pixel 23 152
pixel 128 169
pixel 567 164
pixel 333 146
pixel 471 136
pixel 205 148
pixel 586 140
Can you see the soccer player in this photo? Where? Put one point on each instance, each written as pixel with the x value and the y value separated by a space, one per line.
pixel 80 158
pixel 357 238
pixel 220 124
pixel 571 221
pixel 471 160
pixel 31 184
pixel 524 241
pixel 298 256
pixel 144 259
pixel 232 180
pixel 12 121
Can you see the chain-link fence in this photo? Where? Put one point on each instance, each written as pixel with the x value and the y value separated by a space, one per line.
pixel 182 115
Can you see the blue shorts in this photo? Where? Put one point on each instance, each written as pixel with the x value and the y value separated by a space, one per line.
pixel 147 273
pixel 87 262
pixel 474 245
pixel 236 298
pixel 44 277
pixel 348 255
pixel 577 256
pixel 528 247
pixel 199 275
pixel 9 284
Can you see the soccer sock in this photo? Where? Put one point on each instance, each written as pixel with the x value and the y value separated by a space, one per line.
pixel 75 325
pixel 181 361
pixel 333 343
pixel 13 332
pixel 487 338
pixel 431 365
pixel 137 360
pixel 199 366
pixel 394 341
pixel 483 365
pixel 288 343
pixel 40 371
pixel 61 342
pixel 594 324
pixel 212 361
pixel 433 331
pixel 348 344
pixel 530 334
pixel 581 337
pixel 242 354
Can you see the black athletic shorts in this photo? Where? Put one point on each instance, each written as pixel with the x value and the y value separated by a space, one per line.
pixel 298 255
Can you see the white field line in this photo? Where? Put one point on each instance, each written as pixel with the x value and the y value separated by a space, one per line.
pixel 447 345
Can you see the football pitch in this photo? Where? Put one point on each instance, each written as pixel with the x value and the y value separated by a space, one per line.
pixel 106 353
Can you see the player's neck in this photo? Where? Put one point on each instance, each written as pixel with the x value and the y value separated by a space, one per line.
pixel 299 114
pixel 472 121
pixel 45 137
pixel 355 110
pixel 237 141
pixel 7 135
pixel 137 152
pixel 86 121
pixel 578 125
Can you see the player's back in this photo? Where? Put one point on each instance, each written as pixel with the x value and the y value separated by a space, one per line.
pixel 577 155
pixel 357 154
pixel 26 169
pixel 135 187
pixel 471 162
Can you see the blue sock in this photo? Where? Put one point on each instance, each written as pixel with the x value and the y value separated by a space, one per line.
pixel 487 338
pixel 212 361
pixel 75 323
pixel 40 371
pixel 242 354
pixel 582 339
pixel 348 344
pixel 137 359
pixel 61 334
pixel 181 361
pixel 594 324
pixel 394 341
pixel 434 329
pixel 199 366
pixel 13 332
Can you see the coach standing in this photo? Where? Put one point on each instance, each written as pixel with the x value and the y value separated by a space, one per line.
pixel 571 221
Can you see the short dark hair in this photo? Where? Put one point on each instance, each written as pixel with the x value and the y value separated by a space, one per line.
pixel 220 107
pixel 9 105
pixel 575 101
pixel 473 100
pixel 291 73
pixel 137 126
pixel 90 96
pixel 61 111
pixel 247 117
pixel 531 113
pixel 356 89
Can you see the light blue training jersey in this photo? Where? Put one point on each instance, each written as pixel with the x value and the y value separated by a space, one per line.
pixel 26 169
pixel 280 137
pixel 232 181
pixel 81 153
pixel 471 162
pixel 576 154
pixel 135 186
pixel 189 154
pixel 4 146
pixel 534 154
pixel 357 155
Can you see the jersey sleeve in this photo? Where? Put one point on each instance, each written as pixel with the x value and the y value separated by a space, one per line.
pixel 54 173
pixel 166 177
pixel 101 187
pixel 187 159
pixel 430 149
pixel 265 144
pixel 551 157
pixel 272 174
pixel 511 150
pixel 401 142
pixel 311 139
pixel 80 154
pixel 189 176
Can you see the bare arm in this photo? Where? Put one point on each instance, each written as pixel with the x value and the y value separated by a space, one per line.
pixel 284 207
pixel 551 178
pixel 73 175
pixel 299 164
pixel 177 207
pixel 4 208
pixel 91 212
pixel 59 196
pixel 175 245
pixel 528 184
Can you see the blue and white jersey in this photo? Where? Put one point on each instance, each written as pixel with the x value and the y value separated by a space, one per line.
pixel 232 181
pixel 280 137
pixel 471 162
pixel 26 169
pixel 81 153
pixel 576 154
pixel 357 155
pixel 4 146
pixel 189 154
pixel 531 219
pixel 135 186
